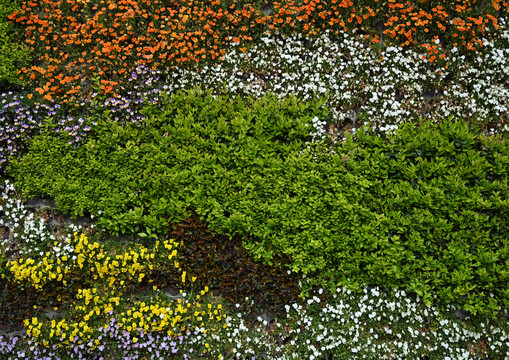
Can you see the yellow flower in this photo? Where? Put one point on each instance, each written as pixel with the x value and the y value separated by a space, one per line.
pixel 184 277
pixel 135 340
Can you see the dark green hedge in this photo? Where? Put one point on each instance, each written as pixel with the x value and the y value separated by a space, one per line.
pixel 424 208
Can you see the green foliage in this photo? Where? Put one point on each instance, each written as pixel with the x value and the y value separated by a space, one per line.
pixel 424 208
pixel 441 194
pixel 190 154
pixel 12 55
pixel 2 263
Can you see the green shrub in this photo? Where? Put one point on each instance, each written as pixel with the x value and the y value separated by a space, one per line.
pixel 190 154
pixel 12 56
pixel 424 208
pixel 443 196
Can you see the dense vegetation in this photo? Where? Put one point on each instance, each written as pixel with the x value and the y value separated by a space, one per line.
pixel 421 208
pixel 13 55
pixel 352 153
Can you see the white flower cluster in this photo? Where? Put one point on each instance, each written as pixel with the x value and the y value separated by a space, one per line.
pixel 319 129
pixel 28 234
pixel 375 323
pixel 379 90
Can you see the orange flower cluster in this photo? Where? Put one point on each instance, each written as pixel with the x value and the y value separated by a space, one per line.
pixel 311 16
pixel 401 22
pixel 409 24
pixel 79 40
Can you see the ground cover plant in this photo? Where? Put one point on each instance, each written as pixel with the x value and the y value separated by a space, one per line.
pixel 376 322
pixel 299 153
pixel 13 55
pixel 97 308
